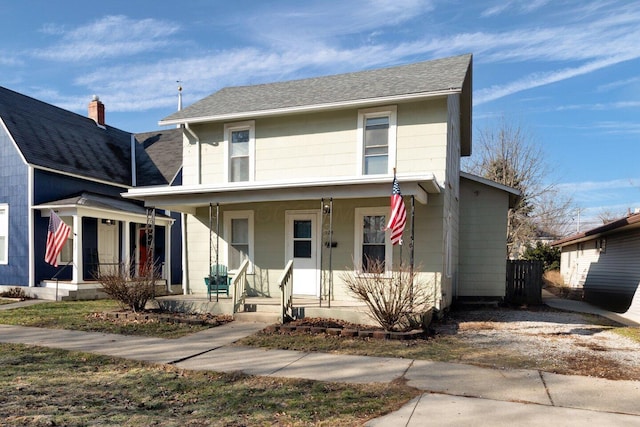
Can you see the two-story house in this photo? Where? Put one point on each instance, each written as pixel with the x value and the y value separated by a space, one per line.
pixel 55 160
pixel 302 171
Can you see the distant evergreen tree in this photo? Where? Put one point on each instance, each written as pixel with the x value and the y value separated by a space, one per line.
pixel 544 252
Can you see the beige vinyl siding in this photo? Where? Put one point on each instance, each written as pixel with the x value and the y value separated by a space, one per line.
pixel 189 161
pixel 483 246
pixel 303 146
pixel 321 145
pixel 422 137
pixel 212 152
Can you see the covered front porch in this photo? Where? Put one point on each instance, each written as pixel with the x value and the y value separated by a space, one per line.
pixel 289 243
pixel 107 235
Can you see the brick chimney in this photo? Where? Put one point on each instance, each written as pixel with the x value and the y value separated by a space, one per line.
pixel 96 110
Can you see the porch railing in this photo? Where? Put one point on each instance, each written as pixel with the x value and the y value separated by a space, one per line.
pixel 286 291
pixel 239 285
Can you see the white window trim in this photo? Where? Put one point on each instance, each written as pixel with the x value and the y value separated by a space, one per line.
pixel 5 207
pixel 228 216
pixel 228 128
pixel 392 112
pixel 360 213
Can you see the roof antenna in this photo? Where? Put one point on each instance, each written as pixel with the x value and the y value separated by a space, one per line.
pixel 179 94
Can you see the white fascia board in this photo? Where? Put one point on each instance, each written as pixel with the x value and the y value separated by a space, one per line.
pixel 310 108
pixel 337 188
pixel 490 183
pixel 84 211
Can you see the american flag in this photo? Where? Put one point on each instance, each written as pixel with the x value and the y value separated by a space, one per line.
pixel 398 217
pixel 56 238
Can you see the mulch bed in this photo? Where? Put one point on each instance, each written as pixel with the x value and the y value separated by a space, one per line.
pixel 153 316
pixel 336 327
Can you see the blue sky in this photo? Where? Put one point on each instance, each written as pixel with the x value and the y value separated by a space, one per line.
pixel 567 71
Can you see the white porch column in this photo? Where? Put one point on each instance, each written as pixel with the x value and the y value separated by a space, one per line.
pixel 167 253
pixel 77 250
pixel 126 244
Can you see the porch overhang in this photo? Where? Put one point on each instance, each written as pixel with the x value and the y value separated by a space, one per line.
pixel 96 206
pixel 187 198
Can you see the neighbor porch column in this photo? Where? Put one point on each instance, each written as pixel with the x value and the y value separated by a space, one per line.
pixel 77 250
pixel 167 254
pixel 126 244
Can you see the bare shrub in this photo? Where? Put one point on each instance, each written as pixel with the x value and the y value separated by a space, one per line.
pixel 130 291
pixel 397 301
pixel 14 293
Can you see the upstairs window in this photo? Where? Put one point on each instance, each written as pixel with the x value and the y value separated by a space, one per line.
pixel 239 144
pixel 4 233
pixel 377 140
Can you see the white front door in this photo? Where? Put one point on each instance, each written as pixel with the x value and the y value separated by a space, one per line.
pixel 108 246
pixel 303 246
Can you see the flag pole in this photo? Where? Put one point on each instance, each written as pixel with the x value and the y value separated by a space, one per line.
pixel 400 266
pixel 411 246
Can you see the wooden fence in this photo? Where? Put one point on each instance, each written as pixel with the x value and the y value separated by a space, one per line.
pixel 524 282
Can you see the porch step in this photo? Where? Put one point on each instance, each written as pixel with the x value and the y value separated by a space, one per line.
pixel 256 316
pixel 262 308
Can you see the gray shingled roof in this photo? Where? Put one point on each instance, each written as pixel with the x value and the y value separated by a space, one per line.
pixel 419 78
pixel 164 147
pixel 100 201
pixel 57 139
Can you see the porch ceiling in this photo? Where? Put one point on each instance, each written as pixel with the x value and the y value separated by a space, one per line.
pixel 187 198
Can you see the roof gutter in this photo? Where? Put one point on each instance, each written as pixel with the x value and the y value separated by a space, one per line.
pixel 308 108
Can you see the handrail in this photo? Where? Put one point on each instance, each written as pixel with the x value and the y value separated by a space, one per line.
pixel 239 286
pixel 286 291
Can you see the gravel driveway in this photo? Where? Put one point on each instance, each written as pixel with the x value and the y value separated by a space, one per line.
pixel 545 339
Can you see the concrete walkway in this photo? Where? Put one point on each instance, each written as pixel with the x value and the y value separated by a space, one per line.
pixel 455 394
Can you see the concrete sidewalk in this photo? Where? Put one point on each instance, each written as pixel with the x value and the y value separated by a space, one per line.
pixel 455 394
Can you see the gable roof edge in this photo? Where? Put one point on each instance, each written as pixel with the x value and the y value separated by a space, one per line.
pixel 15 145
pixel 312 107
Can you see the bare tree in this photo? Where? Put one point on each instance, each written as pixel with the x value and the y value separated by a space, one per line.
pixel 607 216
pixel 508 153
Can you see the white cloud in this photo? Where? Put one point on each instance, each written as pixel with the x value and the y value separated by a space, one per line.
pixel 313 39
pixel 108 37
pixel 588 186
pixel 541 79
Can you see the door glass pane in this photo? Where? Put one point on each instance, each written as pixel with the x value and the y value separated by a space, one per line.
pixel 302 249
pixel 301 229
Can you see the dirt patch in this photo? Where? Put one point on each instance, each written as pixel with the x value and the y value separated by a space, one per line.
pixel 547 339
pixel 126 317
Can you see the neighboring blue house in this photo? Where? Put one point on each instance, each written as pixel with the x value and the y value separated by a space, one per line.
pixel 53 159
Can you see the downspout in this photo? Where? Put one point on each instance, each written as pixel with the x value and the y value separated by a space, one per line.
pixel 133 161
pixel 198 154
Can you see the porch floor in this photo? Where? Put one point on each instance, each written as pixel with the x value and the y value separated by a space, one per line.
pixel 266 301
pixel 347 310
